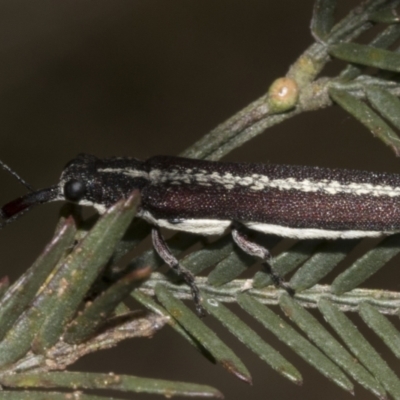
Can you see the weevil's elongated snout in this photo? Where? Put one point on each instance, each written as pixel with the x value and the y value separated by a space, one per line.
pixel 17 207
pixel 87 181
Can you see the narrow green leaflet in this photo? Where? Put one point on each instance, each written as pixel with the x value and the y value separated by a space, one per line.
pixel 208 339
pixel 383 40
pixel 387 105
pixel 385 16
pixel 22 292
pixel 93 316
pixel 210 255
pixel 251 339
pixel 329 345
pixel 151 305
pixel 4 285
pixel 366 55
pixel 360 347
pixel 323 18
pixel 366 265
pixel 124 383
pixel 230 268
pixel 236 263
pixel 135 234
pixel 363 113
pixel 287 261
pixel 284 332
pixel 321 263
pixel 381 326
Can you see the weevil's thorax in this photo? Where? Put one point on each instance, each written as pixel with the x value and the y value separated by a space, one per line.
pixel 88 180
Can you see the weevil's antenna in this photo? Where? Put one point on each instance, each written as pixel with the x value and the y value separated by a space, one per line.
pixel 15 175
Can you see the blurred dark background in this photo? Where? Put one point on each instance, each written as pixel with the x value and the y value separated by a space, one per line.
pixel 141 78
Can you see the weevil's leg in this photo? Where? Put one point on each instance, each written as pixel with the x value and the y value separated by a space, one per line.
pixel 256 250
pixel 165 253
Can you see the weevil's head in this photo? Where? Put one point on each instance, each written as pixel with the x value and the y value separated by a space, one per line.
pixel 85 180
pixel 81 182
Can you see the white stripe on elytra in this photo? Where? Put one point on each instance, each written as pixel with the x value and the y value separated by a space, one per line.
pixel 133 173
pixel 256 182
pixel 218 227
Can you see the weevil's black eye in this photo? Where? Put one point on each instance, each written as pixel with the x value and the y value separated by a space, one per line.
pixel 74 190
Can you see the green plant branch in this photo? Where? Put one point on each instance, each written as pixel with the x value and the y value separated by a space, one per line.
pixel 387 302
pixel 258 116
